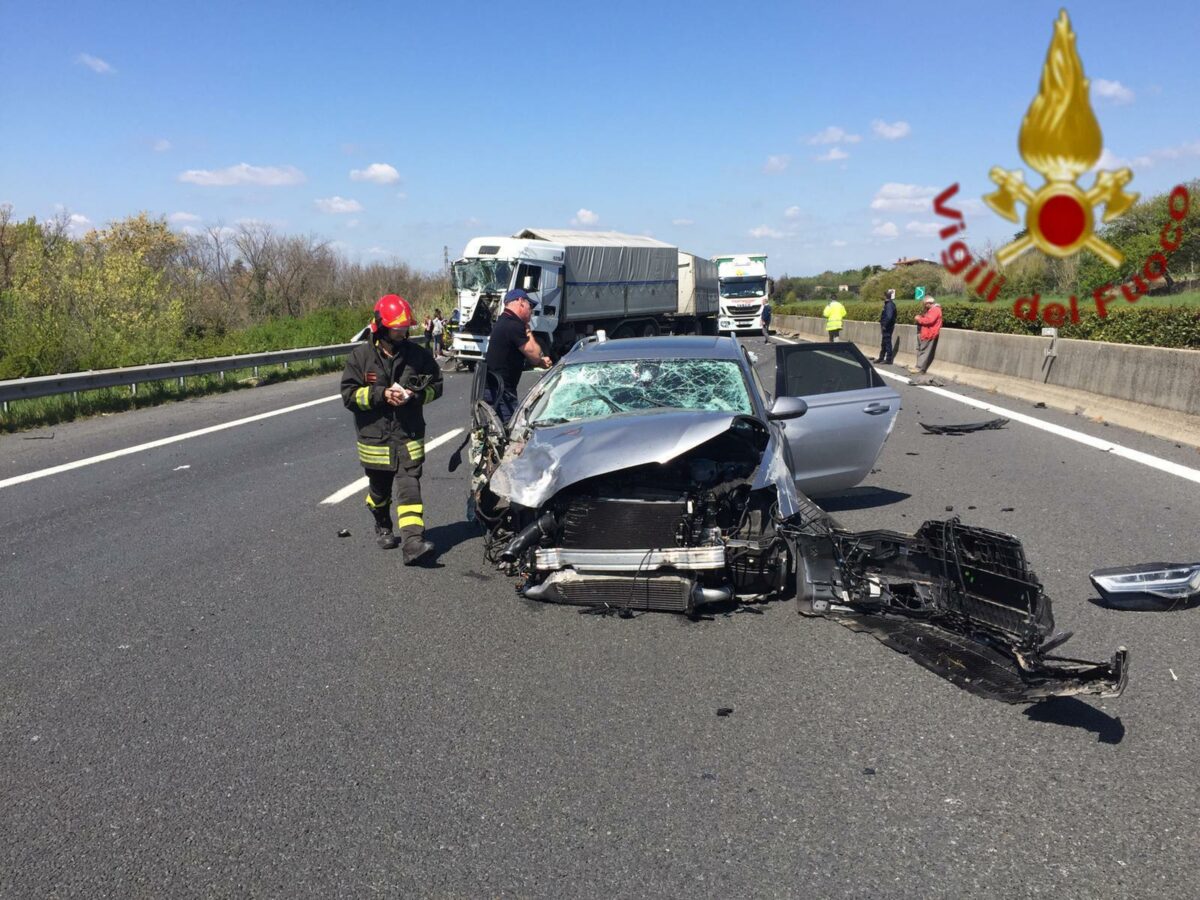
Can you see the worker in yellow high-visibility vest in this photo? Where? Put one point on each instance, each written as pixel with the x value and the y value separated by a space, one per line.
pixel 833 312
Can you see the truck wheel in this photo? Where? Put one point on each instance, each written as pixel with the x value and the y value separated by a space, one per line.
pixel 650 329
pixel 625 331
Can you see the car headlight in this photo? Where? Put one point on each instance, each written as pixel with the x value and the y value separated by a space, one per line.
pixel 1169 581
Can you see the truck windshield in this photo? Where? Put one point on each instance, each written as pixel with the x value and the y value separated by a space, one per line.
pixel 483 275
pixel 741 288
pixel 600 389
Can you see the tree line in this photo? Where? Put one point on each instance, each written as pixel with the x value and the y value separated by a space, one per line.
pixel 137 292
pixel 1136 234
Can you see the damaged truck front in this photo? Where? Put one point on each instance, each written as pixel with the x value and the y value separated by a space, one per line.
pixel 659 475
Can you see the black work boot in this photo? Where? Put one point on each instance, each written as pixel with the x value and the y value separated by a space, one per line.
pixel 384 536
pixel 417 549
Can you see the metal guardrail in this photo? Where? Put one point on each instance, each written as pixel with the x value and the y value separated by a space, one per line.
pixel 49 385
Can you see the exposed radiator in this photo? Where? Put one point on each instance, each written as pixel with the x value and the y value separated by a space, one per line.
pixel 666 593
pixel 600 523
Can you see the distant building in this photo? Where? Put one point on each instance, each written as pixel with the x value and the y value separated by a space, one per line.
pixel 912 261
pixel 843 288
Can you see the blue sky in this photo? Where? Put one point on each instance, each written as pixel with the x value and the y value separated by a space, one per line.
pixel 812 131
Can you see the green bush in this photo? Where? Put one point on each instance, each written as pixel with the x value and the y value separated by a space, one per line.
pixel 1169 326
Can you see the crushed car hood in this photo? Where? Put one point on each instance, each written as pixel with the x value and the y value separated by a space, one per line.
pixel 559 456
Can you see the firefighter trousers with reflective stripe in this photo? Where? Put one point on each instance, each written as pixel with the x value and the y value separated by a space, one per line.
pixel 405 486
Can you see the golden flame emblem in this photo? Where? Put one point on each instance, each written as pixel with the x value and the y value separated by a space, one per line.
pixel 1060 138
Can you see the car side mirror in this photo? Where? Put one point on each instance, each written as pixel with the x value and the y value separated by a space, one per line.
pixel 787 408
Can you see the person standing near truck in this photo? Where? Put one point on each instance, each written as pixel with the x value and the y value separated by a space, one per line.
pixel 887 326
pixel 509 345
pixel 387 382
pixel 766 321
pixel 833 312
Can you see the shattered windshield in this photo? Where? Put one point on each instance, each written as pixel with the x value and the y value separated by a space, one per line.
pixel 490 275
pixel 596 390
pixel 743 288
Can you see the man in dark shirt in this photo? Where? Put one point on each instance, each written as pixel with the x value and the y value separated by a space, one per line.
pixel 887 325
pixel 509 345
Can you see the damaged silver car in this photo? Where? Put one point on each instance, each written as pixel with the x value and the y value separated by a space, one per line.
pixel 656 473
pixel 659 474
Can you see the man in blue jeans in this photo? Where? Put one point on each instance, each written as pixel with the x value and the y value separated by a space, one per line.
pixel 766 322
pixel 887 327
pixel 509 345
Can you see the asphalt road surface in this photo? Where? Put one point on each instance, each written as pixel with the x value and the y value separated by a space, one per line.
pixel 207 692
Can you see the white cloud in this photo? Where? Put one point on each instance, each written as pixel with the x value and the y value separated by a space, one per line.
pixel 585 217
pixel 380 173
pixel 244 173
pixel 95 63
pixel 886 230
pixel 776 164
pixel 78 223
pixel 1109 160
pixel 191 230
pixel 924 229
pixel 891 132
pixel 792 212
pixel 833 155
pixel 837 243
pixel 904 197
pixel 834 135
pixel 182 218
pixel 682 223
pixel 379 251
pixel 338 205
pixel 162 145
pixel 1113 91
pixel 765 231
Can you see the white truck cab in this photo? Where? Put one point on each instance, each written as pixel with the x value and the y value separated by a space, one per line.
pixel 490 268
pixel 744 290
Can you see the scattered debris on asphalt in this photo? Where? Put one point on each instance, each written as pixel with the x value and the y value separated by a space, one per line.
pixel 1174 677
pixel 180 468
pixel 724 711
pixel 1039 405
pixel 868 771
pixel 958 600
pixel 965 428
pixel 1008 509
pixel 949 509
pixel 344 532
pixel 911 453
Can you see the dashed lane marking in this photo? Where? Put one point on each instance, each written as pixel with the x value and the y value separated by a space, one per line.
pixel 161 442
pixel 351 489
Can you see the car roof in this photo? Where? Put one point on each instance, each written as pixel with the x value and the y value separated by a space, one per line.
pixel 662 347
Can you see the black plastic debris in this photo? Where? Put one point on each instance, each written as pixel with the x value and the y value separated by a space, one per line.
pixel 725 711
pixel 868 771
pixel 1039 405
pixel 966 428
pixel 958 600
pixel 344 532
pixel 1008 509
pixel 911 453
pixel 949 509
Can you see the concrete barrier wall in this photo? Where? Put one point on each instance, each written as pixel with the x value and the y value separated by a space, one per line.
pixel 1154 376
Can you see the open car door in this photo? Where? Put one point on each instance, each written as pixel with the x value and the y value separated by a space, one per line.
pixel 850 414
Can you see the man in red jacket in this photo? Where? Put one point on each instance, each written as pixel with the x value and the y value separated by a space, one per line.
pixel 930 322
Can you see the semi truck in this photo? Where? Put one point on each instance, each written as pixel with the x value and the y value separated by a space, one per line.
pixel 583 282
pixel 745 290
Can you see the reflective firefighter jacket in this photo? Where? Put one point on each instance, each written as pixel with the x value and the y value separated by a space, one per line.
pixel 390 435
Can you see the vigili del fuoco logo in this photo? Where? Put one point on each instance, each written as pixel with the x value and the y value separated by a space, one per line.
pixel 1060 139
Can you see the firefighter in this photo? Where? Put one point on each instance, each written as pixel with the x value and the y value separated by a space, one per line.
pixel 386 384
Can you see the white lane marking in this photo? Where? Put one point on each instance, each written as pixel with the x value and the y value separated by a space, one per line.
pixel 776 337
pixel 351 489
pixel 1146 459
pixel 161 442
